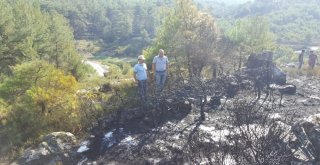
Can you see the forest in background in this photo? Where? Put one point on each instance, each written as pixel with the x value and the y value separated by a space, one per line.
pixel 293 22
pixel 126 27
pixel 45 87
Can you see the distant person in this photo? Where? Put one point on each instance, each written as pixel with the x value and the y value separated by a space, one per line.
pixel 140 76
pixel 301 58
pixel 312 59
pixel 160 67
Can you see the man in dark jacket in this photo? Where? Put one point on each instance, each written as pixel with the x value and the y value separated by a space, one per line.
pixel 301 58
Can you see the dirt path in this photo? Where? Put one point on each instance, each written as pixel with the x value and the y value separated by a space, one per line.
pixel 98 67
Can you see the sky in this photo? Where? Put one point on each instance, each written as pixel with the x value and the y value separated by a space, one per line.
pixel 234 2
pixel 231 2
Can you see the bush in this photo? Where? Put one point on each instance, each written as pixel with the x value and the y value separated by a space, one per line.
pixel 284 54
pixel 257 139
pixel 42 98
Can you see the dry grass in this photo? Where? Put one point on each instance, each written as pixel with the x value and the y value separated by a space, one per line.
pixel 304 71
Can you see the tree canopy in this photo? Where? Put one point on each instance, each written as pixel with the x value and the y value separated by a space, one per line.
pixel 126 27
pixel 293 22
pixel 188 35
pixel 27 33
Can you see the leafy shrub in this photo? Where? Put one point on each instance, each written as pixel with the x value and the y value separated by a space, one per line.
pixel 42 99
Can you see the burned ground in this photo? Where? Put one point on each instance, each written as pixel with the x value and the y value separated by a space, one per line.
pixel 177 135
pixel 258 115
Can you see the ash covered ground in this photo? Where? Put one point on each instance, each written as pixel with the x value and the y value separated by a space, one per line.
pixel 178 136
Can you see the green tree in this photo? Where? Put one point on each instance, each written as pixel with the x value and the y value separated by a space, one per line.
pixel 42 99
pixel 251 35
pixel 6 31
pixel 119 23
pixel 189 35
pixel 139 20
pixel 291 21
pixel 27 34
pixel 122 25
pixel 63 53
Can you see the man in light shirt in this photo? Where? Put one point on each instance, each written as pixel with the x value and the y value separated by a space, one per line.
pixel 160 67
pixel 140 76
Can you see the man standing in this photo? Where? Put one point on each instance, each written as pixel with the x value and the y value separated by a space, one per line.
pixel 160 66
pixel 140 76
pixel 301 58
pixel 312 59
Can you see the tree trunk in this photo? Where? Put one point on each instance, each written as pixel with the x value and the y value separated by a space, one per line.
pixel 240 59
pixel 214 71
pixel 203 102
pixel 189 63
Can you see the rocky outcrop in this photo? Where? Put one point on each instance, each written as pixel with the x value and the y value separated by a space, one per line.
pixel 261 67
pixel 305 139
pixel 56 148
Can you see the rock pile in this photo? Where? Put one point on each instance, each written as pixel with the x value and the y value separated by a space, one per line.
pixel 56 148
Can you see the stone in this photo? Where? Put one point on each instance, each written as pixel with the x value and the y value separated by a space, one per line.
pixel 278 76
pixel 55 149
pixel 215 101
pixel 261 67
pixel 259 60
pixel 60 141
pixel 307 141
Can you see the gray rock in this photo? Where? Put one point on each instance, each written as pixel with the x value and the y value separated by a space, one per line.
pixel 306 145
pixel 55 149
pixel 261 67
